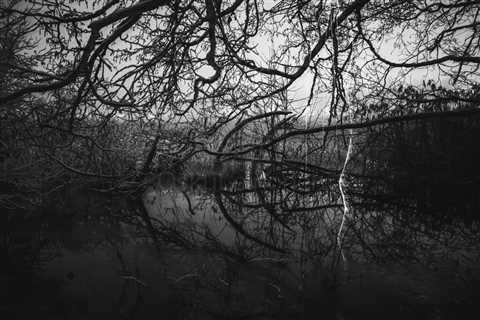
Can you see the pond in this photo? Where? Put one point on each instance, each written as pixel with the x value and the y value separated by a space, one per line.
pixel 267 247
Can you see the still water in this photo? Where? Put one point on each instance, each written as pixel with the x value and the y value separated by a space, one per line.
pixel 262 248
pixel 88 262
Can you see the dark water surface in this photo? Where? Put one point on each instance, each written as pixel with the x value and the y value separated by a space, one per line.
pixel 410 248
pixel 89 262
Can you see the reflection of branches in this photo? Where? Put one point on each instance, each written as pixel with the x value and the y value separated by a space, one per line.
pixel 239 228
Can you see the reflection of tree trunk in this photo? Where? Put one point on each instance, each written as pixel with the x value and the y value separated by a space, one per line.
pixel 248 180
pixel 346 206
pixel 151 155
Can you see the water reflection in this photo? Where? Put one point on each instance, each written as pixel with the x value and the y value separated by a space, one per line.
pixel 261 245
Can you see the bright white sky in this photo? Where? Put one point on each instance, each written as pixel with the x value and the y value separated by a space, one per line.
pixel 300 90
